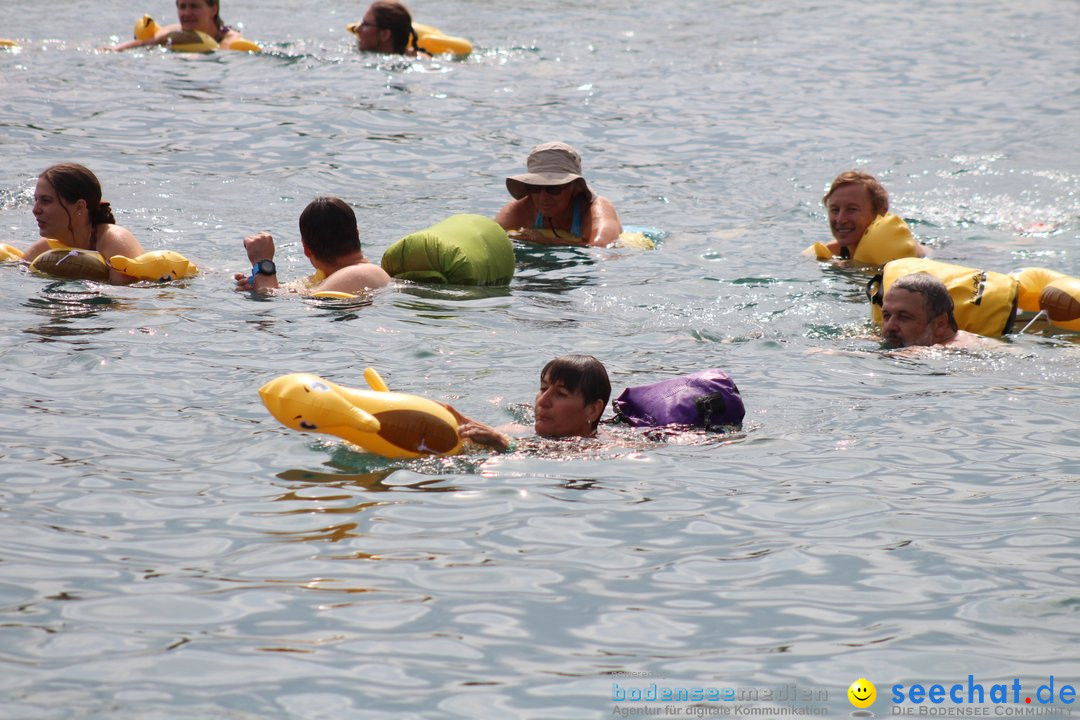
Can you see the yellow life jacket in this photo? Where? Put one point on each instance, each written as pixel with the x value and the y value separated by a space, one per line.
pixel 984 301
pixel 887 238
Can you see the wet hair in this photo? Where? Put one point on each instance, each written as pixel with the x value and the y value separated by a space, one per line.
pixel 879 198
pixel 328 228
pixel 395 17
pixel 936 298
pixel 580 372
pixel 72 183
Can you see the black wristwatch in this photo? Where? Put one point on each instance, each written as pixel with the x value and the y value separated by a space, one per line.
pixel 263 267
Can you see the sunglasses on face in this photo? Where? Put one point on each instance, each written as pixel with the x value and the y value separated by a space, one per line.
pixel 547 189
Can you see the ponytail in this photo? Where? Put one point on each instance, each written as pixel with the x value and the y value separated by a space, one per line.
pixel 103 215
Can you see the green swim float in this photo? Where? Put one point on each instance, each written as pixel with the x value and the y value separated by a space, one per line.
pixel 460 250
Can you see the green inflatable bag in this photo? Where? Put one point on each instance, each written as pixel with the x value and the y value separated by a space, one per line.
pixel 460 250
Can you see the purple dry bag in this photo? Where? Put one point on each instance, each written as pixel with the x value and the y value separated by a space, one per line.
pixel 702 399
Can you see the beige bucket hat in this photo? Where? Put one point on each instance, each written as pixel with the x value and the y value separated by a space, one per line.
pixel 550 163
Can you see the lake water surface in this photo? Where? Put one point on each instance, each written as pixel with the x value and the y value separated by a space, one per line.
pixel 169 550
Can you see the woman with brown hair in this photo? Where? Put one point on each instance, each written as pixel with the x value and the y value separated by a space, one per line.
pixel 69 209
pixel 386 28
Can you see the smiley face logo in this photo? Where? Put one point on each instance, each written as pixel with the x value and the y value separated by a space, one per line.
pixel 862 693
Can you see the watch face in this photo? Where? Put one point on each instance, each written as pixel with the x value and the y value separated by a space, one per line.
pixel 267 267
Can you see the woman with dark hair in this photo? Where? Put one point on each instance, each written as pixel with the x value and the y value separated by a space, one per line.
pixel 69 209
pixel 553 205
pixel 574 390
pixel 194 16
pixel 386 28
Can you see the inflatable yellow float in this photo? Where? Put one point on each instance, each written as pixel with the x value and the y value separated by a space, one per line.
pixel 9 253
pixel 391 424
pixel 157 265
pixel 986 302
pixel 632 236
pixel 887 238
pixel 71 263
pixel 194 41
pixel 431 40
pixel 5 43
pixel 1050 292
pixel 78 264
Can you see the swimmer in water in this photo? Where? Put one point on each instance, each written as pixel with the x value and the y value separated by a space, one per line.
pixel 574 390
pixel 917 311
pixel 331 242
pixel 386 28
pixel 193 15
pixel 69 209
pixel 553 196
pixel 854 201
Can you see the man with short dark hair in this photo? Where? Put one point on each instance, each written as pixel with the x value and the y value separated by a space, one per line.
pixel 918 311
pixel 331 243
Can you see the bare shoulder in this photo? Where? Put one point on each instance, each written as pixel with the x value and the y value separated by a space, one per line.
pixel 117 240
pixel 602 204
pixel 231 38
pixel 355 278
pixel 971 341
pixel 515 214
pixel 36 248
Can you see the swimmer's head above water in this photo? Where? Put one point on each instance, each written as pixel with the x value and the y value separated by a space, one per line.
pixel 553 169
pixel 386 28
pixel 574 390
pixel 854 200
pixel 917 310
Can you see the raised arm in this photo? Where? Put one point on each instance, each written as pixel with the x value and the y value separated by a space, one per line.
pixel 258 247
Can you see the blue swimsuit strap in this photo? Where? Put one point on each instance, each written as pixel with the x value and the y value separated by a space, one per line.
pixel 575 222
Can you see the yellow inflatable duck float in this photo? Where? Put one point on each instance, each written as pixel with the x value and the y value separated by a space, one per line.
pixel 8 253
pixel 78 264
pixel 146 28
pixel 391 424
pixel 157 265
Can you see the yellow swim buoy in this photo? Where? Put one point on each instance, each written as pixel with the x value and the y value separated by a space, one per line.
pixel 192 41
pixel 984 302
pixel 887 238
pixel 1032 280
pixel 431 40
pixel 391 424
pixel 9 253
pixel 78 264
pixel 71 263
pixel 157 265
pixel 1060 300
pixel 629 238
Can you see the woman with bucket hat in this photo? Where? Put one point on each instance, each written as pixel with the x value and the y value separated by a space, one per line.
pixel 553 205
